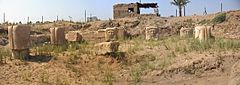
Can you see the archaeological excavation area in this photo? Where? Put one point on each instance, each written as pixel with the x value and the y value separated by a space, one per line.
pixel 130 49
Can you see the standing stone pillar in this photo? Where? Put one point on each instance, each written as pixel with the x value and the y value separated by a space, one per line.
pixel 19 39
pixel 151 33
pixel 203 33
pixel 57 36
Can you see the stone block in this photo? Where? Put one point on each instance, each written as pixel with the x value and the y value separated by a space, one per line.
pixel 203 33
pixel 73 36
pixel 106 47
pixel 186 32
pixel 151 33
pixel 111 34
pixel 19 37
pixel 57 35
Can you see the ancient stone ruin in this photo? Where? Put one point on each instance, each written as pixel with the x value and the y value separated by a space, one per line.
pixel 186 32
pixel 106 47
pixel 111 34
pixel 203 33
pixel 19 39
pixel 57 36
pixel 151 33
pixel 132 9
pixel 73 36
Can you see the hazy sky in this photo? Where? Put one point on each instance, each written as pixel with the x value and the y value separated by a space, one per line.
pixel 18 10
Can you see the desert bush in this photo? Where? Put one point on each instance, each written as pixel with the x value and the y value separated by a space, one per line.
pixel 219 18
pixel 202 22
pixel 4 53
pixel 228 44
pixel 108 78
pixel 45 77
pixel 135 75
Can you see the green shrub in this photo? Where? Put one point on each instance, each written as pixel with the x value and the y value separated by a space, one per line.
pixel 108 78
pixel 219 18
pixel 204 22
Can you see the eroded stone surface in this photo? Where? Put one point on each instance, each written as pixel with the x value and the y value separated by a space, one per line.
pixel 39 39
pixel 111 34
pixel 203 33
pixel 73 36
pixel 19 37
pixel 106 47
pixel 151 33
pixel 57 35
pixel 186 32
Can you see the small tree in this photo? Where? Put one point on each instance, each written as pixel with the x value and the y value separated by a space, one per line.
pixel 180 4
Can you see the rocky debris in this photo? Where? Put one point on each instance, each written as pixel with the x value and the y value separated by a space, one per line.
pixel 3 41
pixel 57 35
pixel 106 47
pixel 235 74
pixel 73 36
pixel 152 33
pixel 186 32
pixel 39 39
pixel 195 66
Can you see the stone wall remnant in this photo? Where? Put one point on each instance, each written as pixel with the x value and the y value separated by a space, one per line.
pixel 132 9
pixel 19 39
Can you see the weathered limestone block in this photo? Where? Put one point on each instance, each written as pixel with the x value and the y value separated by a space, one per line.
pixel 111 34
pixel 235 74
pixel 19 39
pixel 186 32
pixel 106 47
pixel 73 36
pixel 39 39
pixel 57 36
pixel 203 33
pixel 151 33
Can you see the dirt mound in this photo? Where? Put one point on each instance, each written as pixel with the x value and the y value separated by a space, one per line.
pixel 235 74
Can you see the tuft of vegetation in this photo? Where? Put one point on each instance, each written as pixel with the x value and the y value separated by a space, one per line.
pixel 219 18
pixel 4 53
pixel 202 22
pixel 135 75
pixel 108 78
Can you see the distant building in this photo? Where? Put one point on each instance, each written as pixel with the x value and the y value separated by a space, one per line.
pixel 93 18
pixel 133 9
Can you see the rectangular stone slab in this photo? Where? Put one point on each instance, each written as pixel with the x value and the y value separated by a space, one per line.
pixel 19 37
